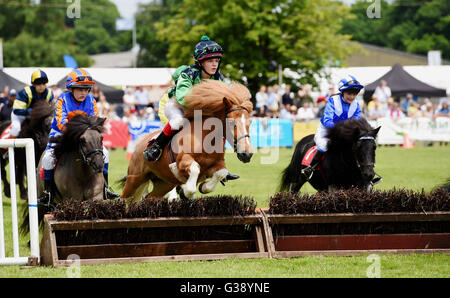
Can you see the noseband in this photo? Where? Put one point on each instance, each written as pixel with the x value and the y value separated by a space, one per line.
pixel 235 139
pixel 370 164
pixel 86 156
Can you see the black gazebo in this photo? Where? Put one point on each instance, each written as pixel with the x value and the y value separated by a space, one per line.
pixel 401 83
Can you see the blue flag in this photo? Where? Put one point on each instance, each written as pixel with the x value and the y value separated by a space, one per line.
pixel 70 62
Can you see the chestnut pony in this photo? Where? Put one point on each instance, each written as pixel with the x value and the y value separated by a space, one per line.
pixel 213 111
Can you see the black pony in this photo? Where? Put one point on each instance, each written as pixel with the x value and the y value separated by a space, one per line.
pixel 36 127
pixel 349 161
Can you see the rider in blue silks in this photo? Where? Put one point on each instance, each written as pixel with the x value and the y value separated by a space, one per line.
pixel 340 107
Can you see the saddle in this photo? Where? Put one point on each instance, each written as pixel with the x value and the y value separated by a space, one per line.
pixel 6 134
pixel 307 158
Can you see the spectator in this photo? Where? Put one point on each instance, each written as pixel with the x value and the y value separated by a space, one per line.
pixel 292 113
pixel 286 99
pixel 414 110
pixel 394 112
pixel 273 102
pixel 6 107
pixel 261 101
pixel 304 95
pixel 406 103
pixel 4 94
pixel 97 93
pixel 142 98
pixel 321 103
pixel 104 108
pixel 56 91
pixel 331 91
pixel 426 101
pixel 375 109
pixel 306 112
pixel 383 92
pixel 428 111
pixel 444 110
pixel 128 117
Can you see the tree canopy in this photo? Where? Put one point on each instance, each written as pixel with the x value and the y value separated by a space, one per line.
pixel 414 26
pixel 39 35
pixel 298 34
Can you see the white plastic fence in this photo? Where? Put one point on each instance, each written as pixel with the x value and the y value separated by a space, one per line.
pixel 32 204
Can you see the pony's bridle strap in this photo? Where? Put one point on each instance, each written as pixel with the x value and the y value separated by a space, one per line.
pixel 370 164
pixel 86 156
pixel 235 139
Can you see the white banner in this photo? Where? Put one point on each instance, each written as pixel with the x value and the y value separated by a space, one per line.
pixel 417 129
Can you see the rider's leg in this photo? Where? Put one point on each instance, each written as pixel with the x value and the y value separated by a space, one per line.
pixel 175 116
pixel 16 124
pixel 48 163
pixel 322 146
pixel 107 194
pixel 153 153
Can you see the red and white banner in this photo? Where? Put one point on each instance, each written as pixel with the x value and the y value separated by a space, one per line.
pixel 116 134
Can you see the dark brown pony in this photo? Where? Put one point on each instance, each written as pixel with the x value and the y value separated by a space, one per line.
pixel 79 168
pixel 197 152
pixel 36 127
pixel 79 152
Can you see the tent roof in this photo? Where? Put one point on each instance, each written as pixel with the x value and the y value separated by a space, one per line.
pixel 112 94
pixel 401 83
pixel 12 83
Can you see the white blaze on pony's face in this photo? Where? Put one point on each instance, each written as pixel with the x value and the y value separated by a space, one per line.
pixel 238 120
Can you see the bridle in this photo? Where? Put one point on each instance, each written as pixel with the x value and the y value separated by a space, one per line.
pixel 235 139
pixel 369 164
pixel 87 156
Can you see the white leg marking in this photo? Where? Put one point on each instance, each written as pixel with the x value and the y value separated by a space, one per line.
pixel 173 195
pixel 216 178
pixel 190 186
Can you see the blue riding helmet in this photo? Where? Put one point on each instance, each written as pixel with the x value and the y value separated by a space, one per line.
pixel 349 82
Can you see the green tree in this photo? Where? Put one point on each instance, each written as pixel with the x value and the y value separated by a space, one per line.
pixel 39 35
pixel 298 34
pixel 95 31
pixel 153 51
pixel 414 26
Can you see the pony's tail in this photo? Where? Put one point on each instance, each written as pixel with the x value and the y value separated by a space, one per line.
pixel 291 173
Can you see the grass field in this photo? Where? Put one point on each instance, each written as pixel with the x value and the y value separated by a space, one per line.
pixel 418 168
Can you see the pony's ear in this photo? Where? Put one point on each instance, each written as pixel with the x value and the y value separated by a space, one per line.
pixel 101 121
pixel 375 131
pixel 227 103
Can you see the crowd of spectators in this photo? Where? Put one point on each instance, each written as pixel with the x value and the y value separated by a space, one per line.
pixel 306 105
pixel 270 102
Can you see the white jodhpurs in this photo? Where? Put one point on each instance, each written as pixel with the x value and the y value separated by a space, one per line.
pixel 174 114
pixel 16 124
pixel 320 138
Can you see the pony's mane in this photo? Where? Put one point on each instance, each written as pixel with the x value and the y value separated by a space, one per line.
pixel 348 131
pixel 208 97
pixel 69 140
pixel 41 109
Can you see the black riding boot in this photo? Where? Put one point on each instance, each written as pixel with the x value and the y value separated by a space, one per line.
pixel 153 153
pixel 47 196
pixel 309 170
pixel 107 194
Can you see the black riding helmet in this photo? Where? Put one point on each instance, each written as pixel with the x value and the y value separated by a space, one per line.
pixel 207 49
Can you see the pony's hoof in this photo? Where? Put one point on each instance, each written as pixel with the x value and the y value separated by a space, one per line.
pixel 180 193
pixel 200 188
